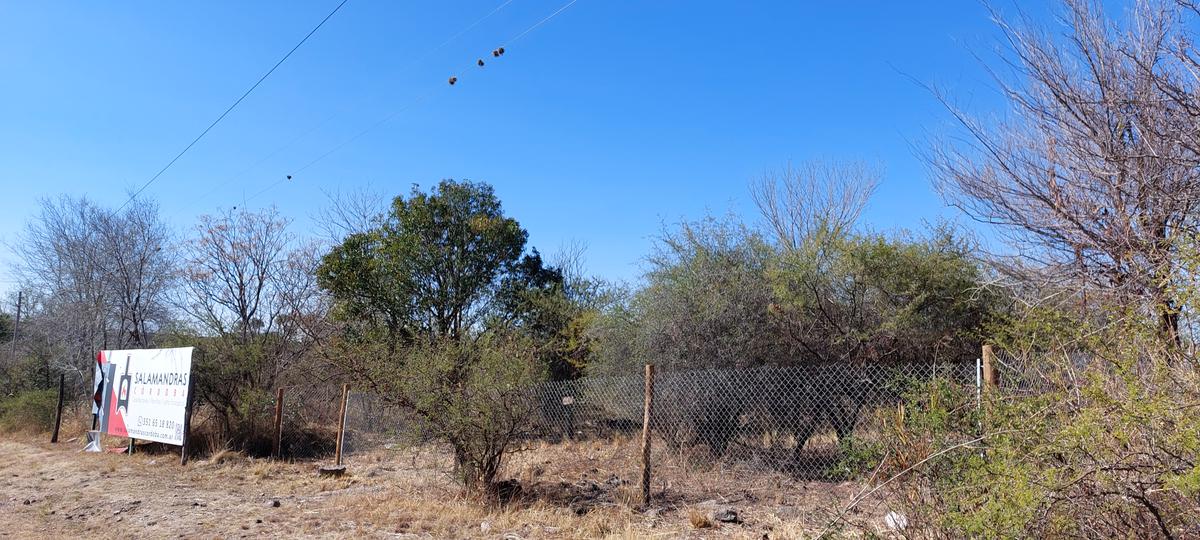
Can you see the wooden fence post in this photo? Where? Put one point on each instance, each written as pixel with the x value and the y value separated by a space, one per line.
pixel 187 420
pixel 990 375
pixel 341 436
pixel 62 379
pixel 648 405
pixel 277 443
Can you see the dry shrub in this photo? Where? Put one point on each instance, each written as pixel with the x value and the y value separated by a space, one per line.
pixel 699 519
pixel 226 457
pixel 1094 438
pixel 301 440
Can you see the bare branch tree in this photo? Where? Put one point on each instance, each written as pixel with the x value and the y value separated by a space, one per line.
pixel 816 198
pixel 350 212
pixel 97 280
pixel 138 270
pixel 1095 172
pixel 251 295
pixel 232 273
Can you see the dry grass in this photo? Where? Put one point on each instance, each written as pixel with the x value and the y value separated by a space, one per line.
pixel 226 456
pixel 575 490
pixel 699 519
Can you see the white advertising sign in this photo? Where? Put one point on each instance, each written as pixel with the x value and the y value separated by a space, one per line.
pixel 144 393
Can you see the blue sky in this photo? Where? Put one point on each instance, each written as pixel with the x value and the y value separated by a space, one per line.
pixel 598 127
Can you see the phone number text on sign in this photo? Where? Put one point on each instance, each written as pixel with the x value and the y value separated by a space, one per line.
pixel 163 423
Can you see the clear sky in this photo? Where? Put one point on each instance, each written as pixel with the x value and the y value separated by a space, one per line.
pixel 598 127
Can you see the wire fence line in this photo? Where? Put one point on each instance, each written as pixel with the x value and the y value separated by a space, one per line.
pixel 309 422
pixel 798 418
pixel 807 420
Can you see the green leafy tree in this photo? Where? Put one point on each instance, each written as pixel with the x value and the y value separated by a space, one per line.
pixel 553 305
pixel 705 305
pixel 874 298
pixel 444 314
pixel 431 269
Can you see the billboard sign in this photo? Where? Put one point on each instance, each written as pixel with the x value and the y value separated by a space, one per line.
pixel 142 393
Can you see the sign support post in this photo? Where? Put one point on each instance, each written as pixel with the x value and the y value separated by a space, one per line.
pixel 187 421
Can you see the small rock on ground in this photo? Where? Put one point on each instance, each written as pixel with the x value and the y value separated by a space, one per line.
pixel 726 515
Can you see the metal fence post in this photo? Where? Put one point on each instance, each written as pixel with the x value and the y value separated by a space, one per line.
pixel 648 406
pixel 978 384
pixel 979 399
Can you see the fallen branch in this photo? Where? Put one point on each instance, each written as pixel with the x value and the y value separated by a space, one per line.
pixel 862 495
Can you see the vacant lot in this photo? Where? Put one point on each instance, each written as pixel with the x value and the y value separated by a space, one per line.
pixel 581 490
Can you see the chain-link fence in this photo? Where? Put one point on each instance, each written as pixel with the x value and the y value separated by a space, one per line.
pixel 797 418
pixel 372 423
pixel 1021 373
pixel 809 420
pixel 309 420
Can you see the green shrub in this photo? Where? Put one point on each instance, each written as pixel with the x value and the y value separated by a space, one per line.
pixel 29 411
pixel 470 394
pixel 856 457
pixel 1106 447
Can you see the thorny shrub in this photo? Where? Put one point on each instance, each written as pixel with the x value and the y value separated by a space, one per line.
pixel 1091 435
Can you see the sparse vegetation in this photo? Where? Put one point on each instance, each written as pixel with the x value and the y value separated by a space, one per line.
pixel 438 306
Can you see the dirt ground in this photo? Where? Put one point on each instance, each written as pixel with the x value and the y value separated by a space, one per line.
pixel 577 490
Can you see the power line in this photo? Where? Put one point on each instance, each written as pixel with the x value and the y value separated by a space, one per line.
pixel 264 159
pixel 464 31
pixel 231 107
pixel 322 123
pixel 543 21
pixel 341 145
pixel 409 105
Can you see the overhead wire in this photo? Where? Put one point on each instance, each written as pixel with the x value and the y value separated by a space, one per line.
pixel 233 106
pixel 541 22
pixel 329 118
pixel 410 104
pixel 264 159
pixel 342 144
pixel 464 31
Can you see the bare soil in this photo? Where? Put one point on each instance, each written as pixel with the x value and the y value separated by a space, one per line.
pixel 571 490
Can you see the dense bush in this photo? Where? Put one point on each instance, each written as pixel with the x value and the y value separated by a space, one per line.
pixel 705 305
pixel 1098 438
pixel 32 410
pixel 884 298
pixel 718 295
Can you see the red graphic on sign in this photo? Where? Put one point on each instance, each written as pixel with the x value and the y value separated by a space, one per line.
pixel 116 417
